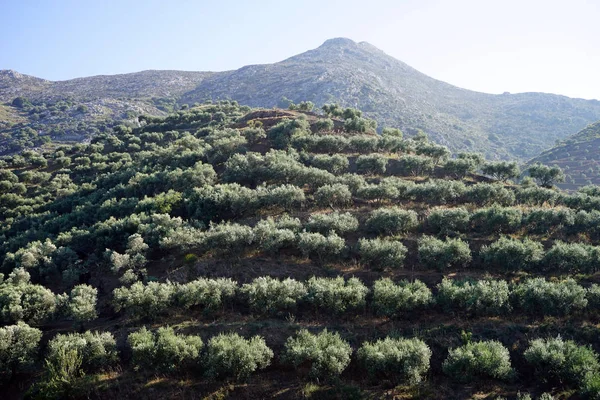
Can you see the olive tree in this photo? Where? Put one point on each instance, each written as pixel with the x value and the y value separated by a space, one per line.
pixel 18 348
pixel 484 359
pixel 231 356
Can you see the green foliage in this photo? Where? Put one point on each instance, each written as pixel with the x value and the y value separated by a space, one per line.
pixel 359 124
pixel 513 254
pixel 391 299
pixel 437 191
pixel 555 359
pixel 451 253
pixel 502 170
pixel 232 356
pixel 484 194
pixel 448 221
pixel 371 164
pixel 416 165
pixel 282 133
pixel 537 196
pixel 336 195
pixel 393 220
pixel 381 253
pixel 572 257
pixel 164 351
pixel 459 167
pixel 326 352
pixel 484 297
pixel 546 176
pixel 408 358
pixel 497 219
pixel 144 301
pixel 210 294
pixel 336 294
pixel 18 348
pixel 82 303
pixel 537 296
pixel 336 164
pixel 323 124
pixel 336 222
pixel 478 360
pixel 320 247
pixel 96 351
pixel 269 295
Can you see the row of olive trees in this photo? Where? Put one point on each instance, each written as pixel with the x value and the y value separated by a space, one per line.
pixel 70 356
pixel 271 296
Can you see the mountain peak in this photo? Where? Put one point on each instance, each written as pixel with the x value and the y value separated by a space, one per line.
pixel 339 42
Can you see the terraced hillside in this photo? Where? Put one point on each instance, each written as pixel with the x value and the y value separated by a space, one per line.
pixel 229 252
pixel 578 156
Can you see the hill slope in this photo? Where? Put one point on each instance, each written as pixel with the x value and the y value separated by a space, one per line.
pixel 578 156
pixel 352 74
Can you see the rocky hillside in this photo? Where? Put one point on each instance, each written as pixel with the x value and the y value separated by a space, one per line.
pixel 353 74
pixel 578 156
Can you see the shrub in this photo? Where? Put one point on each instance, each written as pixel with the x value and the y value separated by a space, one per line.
pixel 382 253
pixel 502 170
pixel 324 124
pixel 271 239
pixel 536 196
pixel 416 165
pixel 448 221
pixel 336 195
pixel 497 219
pixel 327 353
pixel 484 297
pixel 392 220
pixel 230 355
pixel 363 143
pixel 538 296
pixel 563 360
pixel 513 254
pixel 281 134
pixel 546 176
pixel 459 167
pixel 144 301
pixel 484 194
pixel 336 222
pixel 336 294
pixel 542 220
pixel 593 296
pixel 18 348
pixel 336 164
pixel 437 191
pixel 392 299
pixel 372 164
pixel 164 351
pixel 484 359
pixel 572 257
pixel 287 197
pixel 270 295
pixel 204 292
pixel 227 239
pixel 408 358
pixel 96 350
pixel 320 247
pixel 451 253
pixel 82 304
pixel 378 192
pixel 21 300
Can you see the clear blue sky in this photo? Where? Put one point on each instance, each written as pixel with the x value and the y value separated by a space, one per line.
pixel 486 45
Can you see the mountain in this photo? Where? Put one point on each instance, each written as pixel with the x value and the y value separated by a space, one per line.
pixel 353 74
pixel 578 156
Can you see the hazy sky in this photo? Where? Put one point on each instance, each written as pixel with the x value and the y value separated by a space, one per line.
pixel 485 45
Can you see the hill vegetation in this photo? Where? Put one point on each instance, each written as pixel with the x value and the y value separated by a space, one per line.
pixel 357 75
pixel 233 252
pixel 578 156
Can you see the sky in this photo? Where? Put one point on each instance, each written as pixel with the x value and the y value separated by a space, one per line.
pixel 490 46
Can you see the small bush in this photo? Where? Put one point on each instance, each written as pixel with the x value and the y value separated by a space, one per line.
pixel 484 297
pixel 555 359
pixel 270 295
pixel 485 359
pixel 437 191
pixel 209 294
pixel 484 194
pixel 540 297
pixel 451 253
pixel 232 356
pixel 96 350
pixel 336 195
pixel 497 219
pixel 513 254
pixel 336 164
pixel 336 294
pixel 320 247
pixel 18 348
pixel 541 220
pixel 327 353
pixel 382 253
pixel 416 165
pixel 391 299
pixel 408 358
pixel 336 222
pixel 448 221
pixel 392 221
pixel 144 301
pixel 372 164
pixel 164 351
pixel 572 257
pixel 82 304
